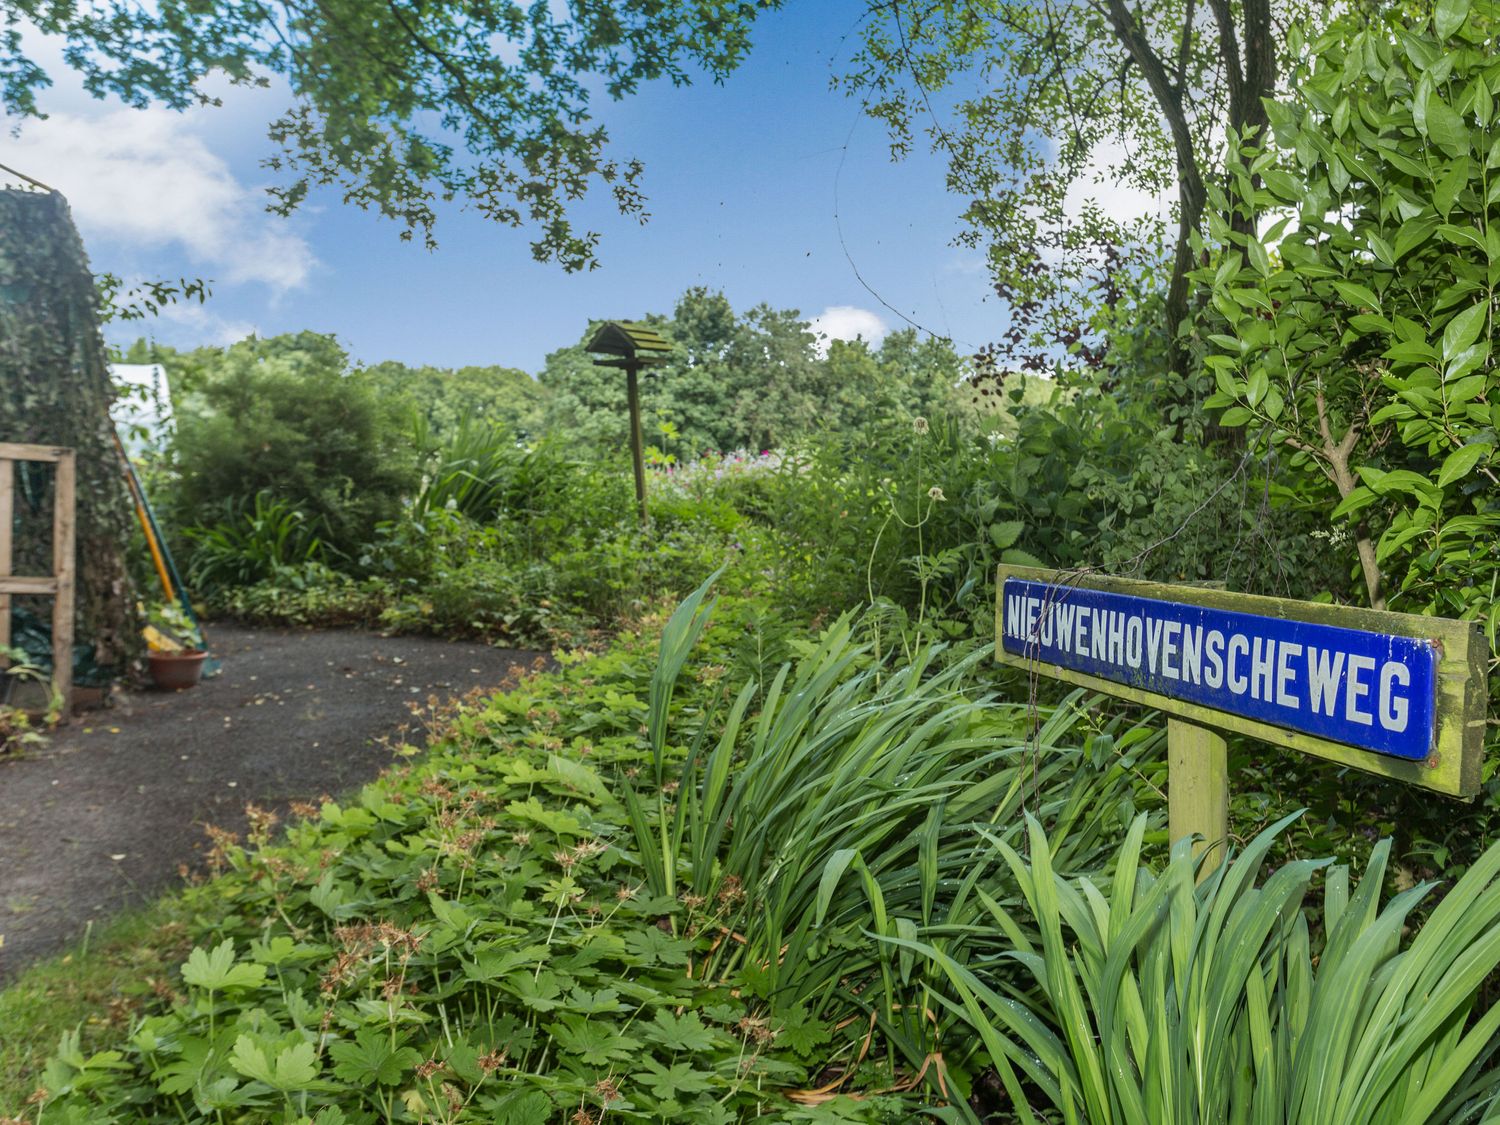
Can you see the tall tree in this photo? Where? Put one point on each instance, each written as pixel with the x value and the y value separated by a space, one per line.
pixel 1036 103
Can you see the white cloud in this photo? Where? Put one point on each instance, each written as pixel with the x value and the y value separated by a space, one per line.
pixel 145 178
pixel 195 324
pixel 1117 201
pixel 847 322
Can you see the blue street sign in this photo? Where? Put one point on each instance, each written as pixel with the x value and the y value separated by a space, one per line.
pixel 1377 691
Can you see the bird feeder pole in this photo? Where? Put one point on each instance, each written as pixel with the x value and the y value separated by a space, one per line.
pixel 633 346
pixel 637 452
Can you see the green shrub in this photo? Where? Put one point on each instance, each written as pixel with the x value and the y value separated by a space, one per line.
pixel 1163 1002
pixel 847 798
pixel 311 597
pixel 1083 482
pixel 1355 339
pixel 267 541
pixel 291 423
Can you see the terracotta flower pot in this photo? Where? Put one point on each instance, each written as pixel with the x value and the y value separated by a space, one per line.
pixel 173 671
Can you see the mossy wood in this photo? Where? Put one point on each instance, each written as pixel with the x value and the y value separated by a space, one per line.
pixel 1453 766
pixel 633 343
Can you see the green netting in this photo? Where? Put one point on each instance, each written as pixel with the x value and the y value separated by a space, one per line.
pixel 55 390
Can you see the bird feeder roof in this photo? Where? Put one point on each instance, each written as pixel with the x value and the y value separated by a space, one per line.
pixel 630 340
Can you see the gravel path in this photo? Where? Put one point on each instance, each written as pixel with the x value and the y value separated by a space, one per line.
pixel 105 815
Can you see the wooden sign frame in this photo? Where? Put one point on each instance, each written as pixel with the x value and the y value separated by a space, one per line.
pixel 1198 796
pixel 60 585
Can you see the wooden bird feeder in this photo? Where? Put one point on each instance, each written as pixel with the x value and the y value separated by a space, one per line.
pixel 632 346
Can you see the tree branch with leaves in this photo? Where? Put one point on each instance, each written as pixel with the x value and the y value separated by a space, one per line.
pixel 403 104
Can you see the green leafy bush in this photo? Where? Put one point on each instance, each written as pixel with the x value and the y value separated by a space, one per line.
pixel 1358 332
pixel 573 904
pixel 1354 340
pixel 463 941
pixel 1082 482
pixel 857 803
pixel 283 419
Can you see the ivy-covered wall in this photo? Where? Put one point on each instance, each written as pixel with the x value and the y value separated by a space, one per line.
pixel 55 390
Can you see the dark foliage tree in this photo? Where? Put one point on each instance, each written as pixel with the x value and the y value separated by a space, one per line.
pixel 284 416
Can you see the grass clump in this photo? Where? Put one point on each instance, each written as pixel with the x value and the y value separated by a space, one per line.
pixel 1153 998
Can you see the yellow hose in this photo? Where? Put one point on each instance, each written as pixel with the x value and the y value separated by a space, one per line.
pixel 145 522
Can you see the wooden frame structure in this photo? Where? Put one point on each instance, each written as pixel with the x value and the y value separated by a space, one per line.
pixel 1197 754
pixel 61 584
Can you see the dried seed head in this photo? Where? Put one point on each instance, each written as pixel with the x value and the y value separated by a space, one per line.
pixel 731 891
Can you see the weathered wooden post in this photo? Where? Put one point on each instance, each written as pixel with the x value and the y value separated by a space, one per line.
pixel 635 346
pixel 61 584
pixel 1394 694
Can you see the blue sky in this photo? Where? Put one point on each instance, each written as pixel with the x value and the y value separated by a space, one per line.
pixel 743 182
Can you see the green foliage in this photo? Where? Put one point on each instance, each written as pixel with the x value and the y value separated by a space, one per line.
pixel 446 400
pixel 282 417
pixel 1354 342
pixel 458 953
pixel 487 474
pixel 486 102
pixel 311 597
pixel 486 934
pixel 270 541
pixel 146 299
pixel 18 728
pixel 93 991
pixel 1042 108
pixel 1083 481
pixel 523 543
pixel 1163 1001
pixel 753 381
pixel 1360 341
pixel 793 832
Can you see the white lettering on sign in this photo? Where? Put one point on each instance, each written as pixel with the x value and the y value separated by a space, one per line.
pixel 1285 673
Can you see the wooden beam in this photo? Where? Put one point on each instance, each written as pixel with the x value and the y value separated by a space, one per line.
pixel 13 451
pixel 7 526
pixel 28 585
pixel 1198 790
pixel 637 450
pixel 64 563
